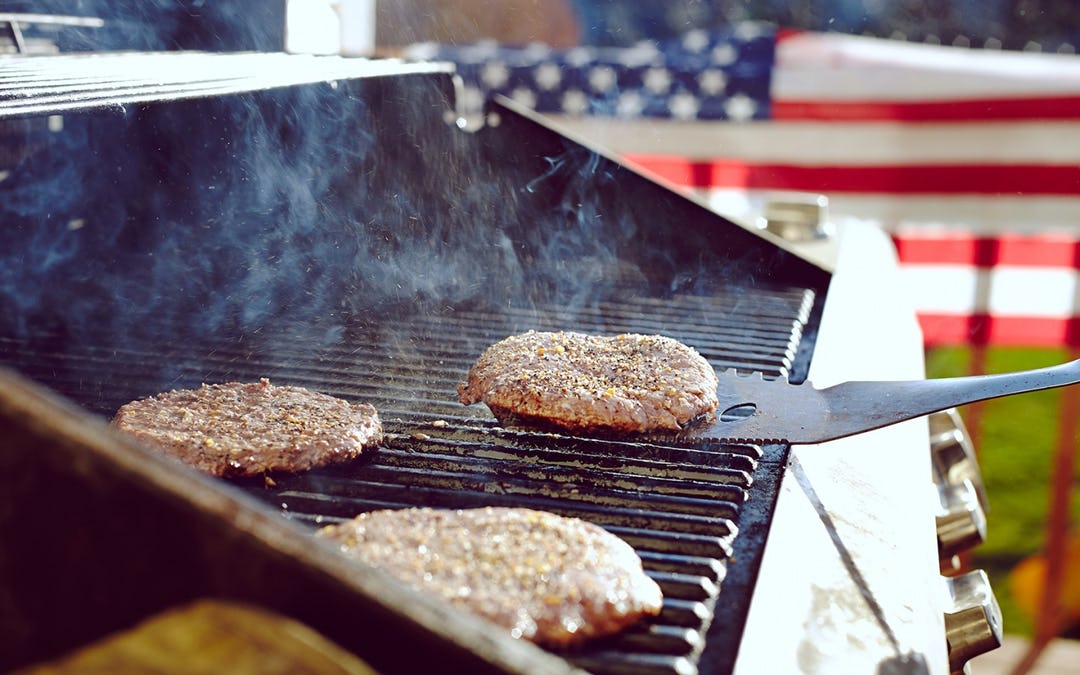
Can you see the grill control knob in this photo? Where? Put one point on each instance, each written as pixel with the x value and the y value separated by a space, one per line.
pixel 953 454
pixel 962 525
pixel 973 619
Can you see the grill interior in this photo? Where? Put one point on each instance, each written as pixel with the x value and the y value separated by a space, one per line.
pixel 412 247
pixel 689 506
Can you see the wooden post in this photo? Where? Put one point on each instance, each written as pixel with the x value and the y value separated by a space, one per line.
pixel 1049 617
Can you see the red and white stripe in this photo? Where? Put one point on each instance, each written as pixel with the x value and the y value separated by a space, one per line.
pixel 969 158
pixel 987 175
pixel 1006 289
pixel 835 77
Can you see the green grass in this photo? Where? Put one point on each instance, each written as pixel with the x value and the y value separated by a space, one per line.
pixel 1017 439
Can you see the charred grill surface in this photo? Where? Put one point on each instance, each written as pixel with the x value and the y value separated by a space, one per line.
pixel 696 511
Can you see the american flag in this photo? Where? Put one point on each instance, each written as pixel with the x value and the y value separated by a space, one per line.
pixel 968 158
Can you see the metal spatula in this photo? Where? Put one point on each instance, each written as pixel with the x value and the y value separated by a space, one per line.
pixel 753 409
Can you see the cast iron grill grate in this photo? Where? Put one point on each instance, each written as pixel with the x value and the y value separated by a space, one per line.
pixel 696 511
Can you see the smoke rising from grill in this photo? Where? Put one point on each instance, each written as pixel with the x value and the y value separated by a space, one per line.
pixel 312 210
pixel 301 210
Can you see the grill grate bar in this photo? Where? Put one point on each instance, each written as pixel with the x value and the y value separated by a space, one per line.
pixel 466 492
pixel 662 639
pixel 724 469
pixel 702 566
pixel 748 337
pixel 686 613
pixel 491 480
pixel 720 332
pixel 391 461
pixel 703 546
pixel 686 586
pixel 372 370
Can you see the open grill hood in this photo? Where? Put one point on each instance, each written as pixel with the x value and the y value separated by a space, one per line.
pixel 325 223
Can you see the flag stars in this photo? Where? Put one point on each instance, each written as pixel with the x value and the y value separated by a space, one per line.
pixel 630 104
pixel 695 41
pixel 548 76
pixel 684 106
pixel 724 54
pixel 712 82
pixel 472 97
pixel 575 102
pixel 691 77
pixel 579 57
pixel 602 78
pixel 657 80
pixel 524 96
pixel 495 74
pixel 740 107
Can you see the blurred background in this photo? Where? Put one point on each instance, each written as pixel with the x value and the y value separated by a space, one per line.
pixel 996 24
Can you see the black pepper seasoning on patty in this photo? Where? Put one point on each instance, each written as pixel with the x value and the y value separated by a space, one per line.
pixel 553 580
pixel 247 429
pixel 577 382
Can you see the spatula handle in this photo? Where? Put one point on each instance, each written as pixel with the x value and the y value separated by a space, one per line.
pixel 897 401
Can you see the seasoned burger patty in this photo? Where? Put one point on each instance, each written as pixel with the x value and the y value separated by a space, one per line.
pixel 552 580
pixel 626 383
pixel 245 429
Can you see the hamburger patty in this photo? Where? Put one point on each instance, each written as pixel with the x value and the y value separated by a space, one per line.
pixel 577 382
pixel 552 580
pixel 245 429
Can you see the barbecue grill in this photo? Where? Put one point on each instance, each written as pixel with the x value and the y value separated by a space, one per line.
pixel 182 218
